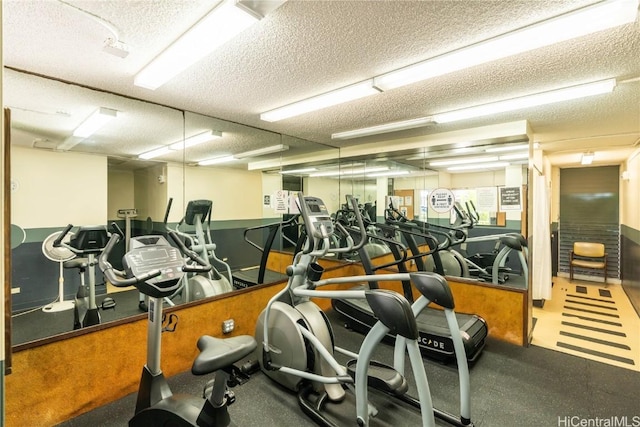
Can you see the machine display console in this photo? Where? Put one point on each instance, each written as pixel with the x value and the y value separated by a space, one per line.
pixel 158 255
pixel 318 216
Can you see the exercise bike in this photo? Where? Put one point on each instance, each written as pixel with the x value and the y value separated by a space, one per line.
pixel 297 338
pixel 88 241
pixel 156 269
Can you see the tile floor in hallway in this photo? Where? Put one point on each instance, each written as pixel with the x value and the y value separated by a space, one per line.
pixel 590 320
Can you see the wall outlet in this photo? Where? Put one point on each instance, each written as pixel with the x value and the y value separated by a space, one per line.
pixel 228 326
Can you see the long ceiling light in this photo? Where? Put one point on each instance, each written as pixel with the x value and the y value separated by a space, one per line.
pixel 196 139
pixel 182 144
pixel 478 166
pixel 262 151
pixel 464 161
pixel 510 147
pixel 587 20
pixel 217 160
pixel 590 19
pixel 387 173
pixel 544 98
pixel 329 99
pixel 95 121
pixel 342 172
pixel 222 24
pixel 388 127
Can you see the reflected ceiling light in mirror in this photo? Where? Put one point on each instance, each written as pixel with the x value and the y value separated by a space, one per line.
pixel 294 171
pixel 515 156
pixel 343 172
pixel 464 161
pixel 587 20
pixel 155 153
pixel 95 121
pixel 179 145
pixel 388 173
pixel 217 160
pixel 478 166
pixel 543 98
pixel 262 151
pixel 223 23
pixel 329 99
pixel 503 148
pixel 196 139
pixel 385 128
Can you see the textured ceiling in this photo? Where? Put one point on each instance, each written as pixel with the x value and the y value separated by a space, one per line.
pixel 305 48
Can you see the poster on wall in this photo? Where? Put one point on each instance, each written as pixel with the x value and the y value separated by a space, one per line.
pixel 487 199
pixel 510 199
pixel 441 200
pixel 280 201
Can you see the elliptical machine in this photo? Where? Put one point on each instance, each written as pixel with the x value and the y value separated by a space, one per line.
pixel 297 338
pixel 212 282
pixel 156 269
pixel 88 242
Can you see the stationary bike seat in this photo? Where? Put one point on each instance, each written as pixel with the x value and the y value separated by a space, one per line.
pixel 219 353
pixel 76 263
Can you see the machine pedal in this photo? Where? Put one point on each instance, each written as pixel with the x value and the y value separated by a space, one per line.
pixel 382 377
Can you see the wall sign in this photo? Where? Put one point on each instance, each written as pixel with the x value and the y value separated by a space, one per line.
pixel 441 200
pixel 510 199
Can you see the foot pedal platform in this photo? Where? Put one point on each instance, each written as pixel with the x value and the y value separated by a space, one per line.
pixel 381 377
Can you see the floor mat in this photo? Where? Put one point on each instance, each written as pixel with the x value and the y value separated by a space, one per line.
pixel 590 321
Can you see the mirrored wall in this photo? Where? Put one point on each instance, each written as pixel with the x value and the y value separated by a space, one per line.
pixel 96 180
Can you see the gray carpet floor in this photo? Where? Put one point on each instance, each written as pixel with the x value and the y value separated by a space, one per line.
pixel 510 386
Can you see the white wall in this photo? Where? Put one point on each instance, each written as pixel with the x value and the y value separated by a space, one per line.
pixel 150 195
pixel 326 189
pixel 57 188
pixel 630 192
pixel 236 194
pixel 119 192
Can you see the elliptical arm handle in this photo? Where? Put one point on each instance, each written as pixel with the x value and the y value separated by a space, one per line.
pixel 361 226
pixel 116 229
pixel 58 242
pixel 114 276
pixel 202 265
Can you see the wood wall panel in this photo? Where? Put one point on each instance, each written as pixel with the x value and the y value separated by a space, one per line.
pixel 38 390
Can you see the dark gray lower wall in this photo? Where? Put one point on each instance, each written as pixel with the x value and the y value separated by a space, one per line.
pixel 37 277
pixel 630 264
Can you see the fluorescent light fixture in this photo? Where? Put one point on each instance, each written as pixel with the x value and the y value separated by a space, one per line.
pixel 503 148
pixel 179 145
pixel 95 121
pixel 329 99
pixel 342 172
pixel 292 171
pixel 217 160
pixel 464 161
pixel 388 173
pixel 515 156
pixel 388 127
pixel 544 98
pixel 587 158
pixel 478 166
pixel 262 151
pixel 222 24
pixel 196 139
pixel 587 20
pixel 155 153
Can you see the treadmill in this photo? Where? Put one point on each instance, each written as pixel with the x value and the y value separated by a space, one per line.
pixel 259 274
pixel 435 339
